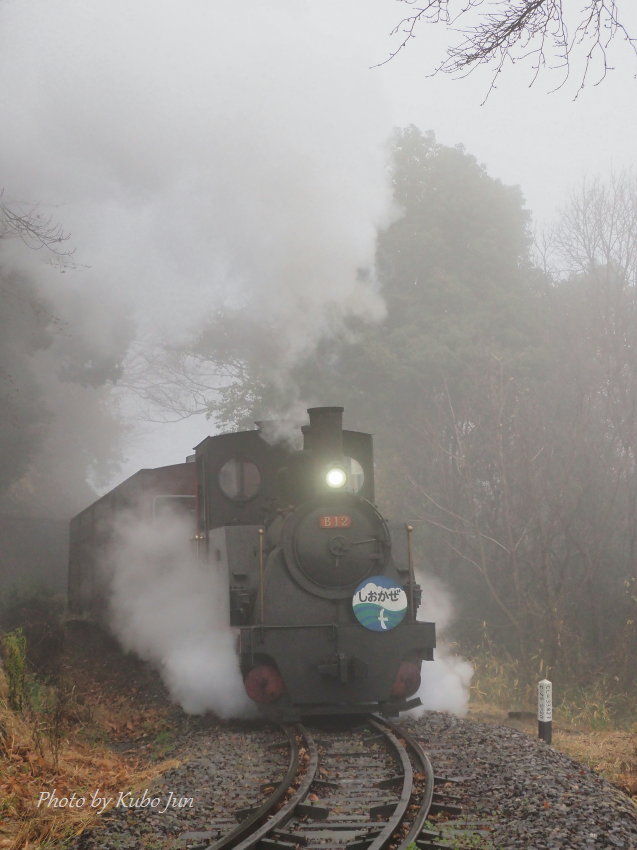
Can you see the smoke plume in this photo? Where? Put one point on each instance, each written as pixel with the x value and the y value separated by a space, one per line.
pixel 204 154
pixel 203 157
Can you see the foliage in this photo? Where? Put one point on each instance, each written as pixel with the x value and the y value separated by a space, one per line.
pixel 52 712
pixel 164 743
pixel 596 703
pixel 63 739
pixel 503 401
pixel 37 612
pixel 24 330
pixel 14 653
pixel 48 708
pixel 58 427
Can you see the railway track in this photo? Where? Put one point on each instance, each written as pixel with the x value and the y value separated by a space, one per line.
pixel 362 785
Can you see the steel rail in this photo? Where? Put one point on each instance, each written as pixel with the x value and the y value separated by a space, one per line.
pixel 383 839
pixel 427 794
pixel 267 819
pixel 237 836
pixel 279 818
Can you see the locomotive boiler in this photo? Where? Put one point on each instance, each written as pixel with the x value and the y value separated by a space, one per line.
pixel 325 616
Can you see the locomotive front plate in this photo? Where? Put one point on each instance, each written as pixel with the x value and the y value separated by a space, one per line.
pixel 339 521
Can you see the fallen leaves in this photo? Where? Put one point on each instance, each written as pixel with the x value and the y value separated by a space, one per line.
pixel 105 712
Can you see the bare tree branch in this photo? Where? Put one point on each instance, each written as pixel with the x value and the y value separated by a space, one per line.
pixel 543 31
pixel 37 231
pixel 175 383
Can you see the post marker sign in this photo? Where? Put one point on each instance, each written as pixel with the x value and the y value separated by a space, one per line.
pixel 545 710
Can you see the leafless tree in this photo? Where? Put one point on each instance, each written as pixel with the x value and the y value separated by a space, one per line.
pixel 598 230
pixel 175 383
pixel 37 231
pixel 544 32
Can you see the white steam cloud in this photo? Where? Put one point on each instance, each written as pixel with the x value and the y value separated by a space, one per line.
pixel 285 428
pixel 445 681
pixel 171 610
pixel 202 153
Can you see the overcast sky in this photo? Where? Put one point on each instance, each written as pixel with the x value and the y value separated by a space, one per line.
pixel 546 143
pixel 190 147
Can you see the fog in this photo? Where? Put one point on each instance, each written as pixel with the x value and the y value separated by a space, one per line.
pixel 207 155
pixel 209 159
pixel 193 162
pixel 196 163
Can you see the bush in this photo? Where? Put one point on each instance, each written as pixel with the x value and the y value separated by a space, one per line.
pixel 14 654
pixel 38 614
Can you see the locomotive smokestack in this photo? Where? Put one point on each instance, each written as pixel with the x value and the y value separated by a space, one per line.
pixel 324 436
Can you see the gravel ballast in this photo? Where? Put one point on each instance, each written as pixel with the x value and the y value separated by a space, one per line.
pixel 525 794
pixel 516 791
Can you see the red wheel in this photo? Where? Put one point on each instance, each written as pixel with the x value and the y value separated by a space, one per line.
pixel 407 680
pixel 264 683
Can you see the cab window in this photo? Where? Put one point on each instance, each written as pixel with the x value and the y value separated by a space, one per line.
pixel 239 479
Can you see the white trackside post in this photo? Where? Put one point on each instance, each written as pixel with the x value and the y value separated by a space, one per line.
pixel 545 710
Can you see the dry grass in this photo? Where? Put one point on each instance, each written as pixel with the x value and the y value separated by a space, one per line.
pixel 29 766
pixel 611 753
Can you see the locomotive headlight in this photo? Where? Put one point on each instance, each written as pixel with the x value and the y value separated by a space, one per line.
pixel 336 477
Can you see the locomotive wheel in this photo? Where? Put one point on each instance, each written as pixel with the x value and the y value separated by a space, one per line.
pixel 407 680
pixel 264 683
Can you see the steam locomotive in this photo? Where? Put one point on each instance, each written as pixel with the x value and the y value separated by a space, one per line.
pixel 325 618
